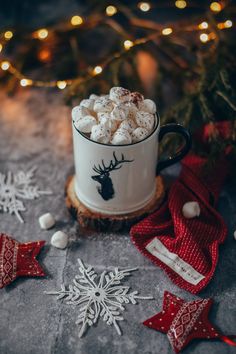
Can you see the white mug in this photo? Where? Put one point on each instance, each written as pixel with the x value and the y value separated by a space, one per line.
pixel 120 179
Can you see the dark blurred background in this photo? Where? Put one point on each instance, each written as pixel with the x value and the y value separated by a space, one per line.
pixel 30 14
pixel 180 53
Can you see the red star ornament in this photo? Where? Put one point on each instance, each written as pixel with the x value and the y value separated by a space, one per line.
pixel 18 259
pixel 184 321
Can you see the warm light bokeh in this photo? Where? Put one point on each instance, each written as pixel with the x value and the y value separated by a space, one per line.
pixel 97 70
pixel 5 65
pixel 111 10
pixel 215 6
pixel 204 37
pixel 167 31
pixel 76 20
pixel 61 84
pixel 128 44
pixel 181 4
pixel 144 6
pixel 42 33
pixel 8 35
pixel 203 25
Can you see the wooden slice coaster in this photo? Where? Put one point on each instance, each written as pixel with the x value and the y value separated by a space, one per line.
pixel 104 222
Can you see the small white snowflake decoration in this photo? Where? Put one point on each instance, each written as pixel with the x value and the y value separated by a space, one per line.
pixel 14 187
pixel 98 296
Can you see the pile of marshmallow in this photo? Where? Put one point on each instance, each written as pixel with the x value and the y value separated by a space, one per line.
pixel 120 118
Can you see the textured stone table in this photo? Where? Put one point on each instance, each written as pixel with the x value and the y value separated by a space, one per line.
pixel 35 131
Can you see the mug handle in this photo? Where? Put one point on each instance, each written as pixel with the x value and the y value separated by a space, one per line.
pixel 179 129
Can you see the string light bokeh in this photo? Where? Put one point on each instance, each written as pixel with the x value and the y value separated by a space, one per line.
pixel 43 34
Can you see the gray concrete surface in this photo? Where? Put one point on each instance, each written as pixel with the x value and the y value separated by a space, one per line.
pixel 35 130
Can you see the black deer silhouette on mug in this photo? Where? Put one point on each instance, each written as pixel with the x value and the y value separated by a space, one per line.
pixel 103 176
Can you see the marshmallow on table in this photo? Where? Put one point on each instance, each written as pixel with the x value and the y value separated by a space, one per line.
pixel 121 137
pixel 59 240
pixel 100 133
pixel 120 112
pixel 85 124
pixel 139 134
pixel 148 105
pixel 87 103
pixel 128 124
pixel 105 119
pixel 79 112
pixel 145 120
pixel 46 221
pixel 191 210
pixel 103 104
pixel 119 94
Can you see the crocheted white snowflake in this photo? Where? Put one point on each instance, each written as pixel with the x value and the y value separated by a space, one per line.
pixel 98 296
pixel 14 187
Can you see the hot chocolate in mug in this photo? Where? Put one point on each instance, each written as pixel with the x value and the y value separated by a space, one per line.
pixel 120 179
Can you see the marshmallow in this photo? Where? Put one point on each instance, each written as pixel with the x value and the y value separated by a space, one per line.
pixel 191 210
pixel 93 96
pixel 119 94
pixel 139 134
pixel 78 112
pixel 145 120
pixel 59 240
pixel 85 124
pixel 148 105
pixel 103 115
pixel 120 112
pixel 87 103
pixel 122 117
pixel 46 221
pixel 103 104
pixel 121 137
pixel 136 98
pixel 128 124
pixel 100 133
pixel 105 119
pixel 132 110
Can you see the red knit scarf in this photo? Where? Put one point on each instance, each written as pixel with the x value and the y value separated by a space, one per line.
pixel 186 249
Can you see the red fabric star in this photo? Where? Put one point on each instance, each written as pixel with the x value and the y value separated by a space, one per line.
pixel 184 321
pixel 18 259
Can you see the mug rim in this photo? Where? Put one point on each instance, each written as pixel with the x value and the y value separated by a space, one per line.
pixel 121 145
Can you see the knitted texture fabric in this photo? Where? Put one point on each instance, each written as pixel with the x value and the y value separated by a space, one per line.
pixel 186 249
pixel 18 259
